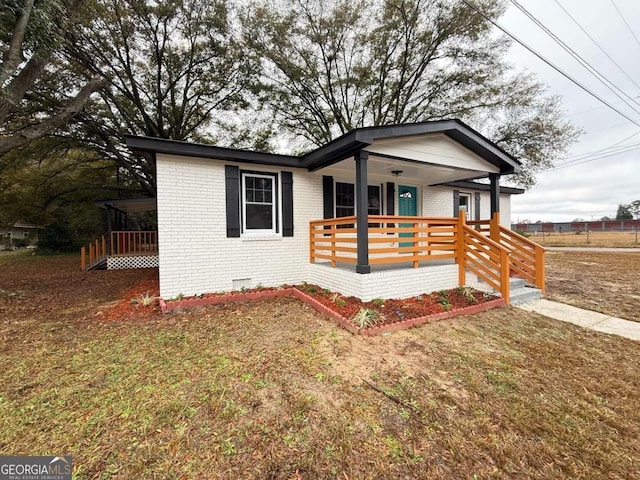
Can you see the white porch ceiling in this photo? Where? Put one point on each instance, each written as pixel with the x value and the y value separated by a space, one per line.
pixel 380 168
pixel 429 159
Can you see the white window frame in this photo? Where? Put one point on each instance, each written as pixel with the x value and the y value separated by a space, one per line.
pixel 274 204
pixel 469 197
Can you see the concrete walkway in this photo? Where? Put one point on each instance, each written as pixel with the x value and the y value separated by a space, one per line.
pixel 584 318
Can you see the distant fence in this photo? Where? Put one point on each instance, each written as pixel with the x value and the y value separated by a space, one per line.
pixel 594 226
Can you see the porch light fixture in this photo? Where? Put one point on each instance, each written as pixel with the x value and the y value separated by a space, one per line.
pixel 396 173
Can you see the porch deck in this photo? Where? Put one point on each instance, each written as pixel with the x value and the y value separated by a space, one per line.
pixel 388 267
pixel 121 250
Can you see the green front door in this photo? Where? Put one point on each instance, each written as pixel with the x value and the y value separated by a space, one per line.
pixel 407 205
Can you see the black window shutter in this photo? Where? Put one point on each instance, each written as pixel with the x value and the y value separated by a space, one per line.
pixel 391 198
pixel 287 204
pixel 327 196
pixel 456 203
pixel 232 192
pixel 477 205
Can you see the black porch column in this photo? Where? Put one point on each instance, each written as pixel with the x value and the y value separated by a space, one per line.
pixel 495 193
pixel 362 213
pixel 109 228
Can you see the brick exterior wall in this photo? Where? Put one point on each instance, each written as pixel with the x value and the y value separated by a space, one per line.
pixel 195 255
pixel 404 283
pixel 438 202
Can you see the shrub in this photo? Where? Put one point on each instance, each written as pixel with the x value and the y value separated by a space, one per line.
pixel 145 299
pixel 445 303
pixel 57 238
pixel 365 318
pixel 21 242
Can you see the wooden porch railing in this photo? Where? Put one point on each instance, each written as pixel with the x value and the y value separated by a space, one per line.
pixel 525 256
pixel 120 243
pixel 392 239
pixel 93 254
pixel 133 243
pixel 484 248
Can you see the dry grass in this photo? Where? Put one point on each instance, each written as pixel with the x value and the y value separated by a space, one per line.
pixel 594 239
pixel 272 390
pixel 606 282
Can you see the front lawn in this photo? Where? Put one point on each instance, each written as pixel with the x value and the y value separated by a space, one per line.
pixel 273 390
pixel 606 282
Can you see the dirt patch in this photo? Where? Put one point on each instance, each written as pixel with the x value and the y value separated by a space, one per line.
pixel 603 282
pixel 594 239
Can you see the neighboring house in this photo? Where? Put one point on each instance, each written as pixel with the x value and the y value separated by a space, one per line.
pixel 24 232
pixel 374 213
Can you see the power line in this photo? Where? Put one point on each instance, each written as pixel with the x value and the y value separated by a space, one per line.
pixel 597 44
pixel 625 21
pixel 591 132
pixel 576 56
pixel 635 146
pixel 601 150
pixel 549 63
pixel 595 108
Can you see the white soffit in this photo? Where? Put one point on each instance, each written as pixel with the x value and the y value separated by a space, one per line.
pixel 435 149
pixel 379 169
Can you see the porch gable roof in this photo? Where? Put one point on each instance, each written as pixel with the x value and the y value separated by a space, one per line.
pixel 361 138
pixel 339 148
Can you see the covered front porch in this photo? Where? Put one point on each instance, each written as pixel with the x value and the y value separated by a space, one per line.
pixel 416 247
pixel 401 256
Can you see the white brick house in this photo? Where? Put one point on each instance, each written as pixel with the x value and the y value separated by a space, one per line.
pixel 229 219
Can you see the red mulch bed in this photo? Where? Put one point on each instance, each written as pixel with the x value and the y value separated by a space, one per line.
pixel 383 315
pixel 392 311
pixel 128 307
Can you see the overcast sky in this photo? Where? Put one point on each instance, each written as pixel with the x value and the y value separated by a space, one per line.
pixel 594 187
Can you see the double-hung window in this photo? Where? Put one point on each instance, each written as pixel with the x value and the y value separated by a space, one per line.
pixel 373 200
pixel 346 200
pixel 259 205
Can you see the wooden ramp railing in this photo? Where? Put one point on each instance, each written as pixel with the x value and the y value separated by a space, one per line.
pixel 93 254
pixel 487 259
pixel 525 256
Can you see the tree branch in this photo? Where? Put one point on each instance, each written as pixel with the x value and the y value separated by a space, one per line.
pixel 50 124
pixel 12 56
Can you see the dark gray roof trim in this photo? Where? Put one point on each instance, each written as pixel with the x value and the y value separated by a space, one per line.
pixel 485 187
pixel 338 149
pixel 175 147
pixel 129 204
